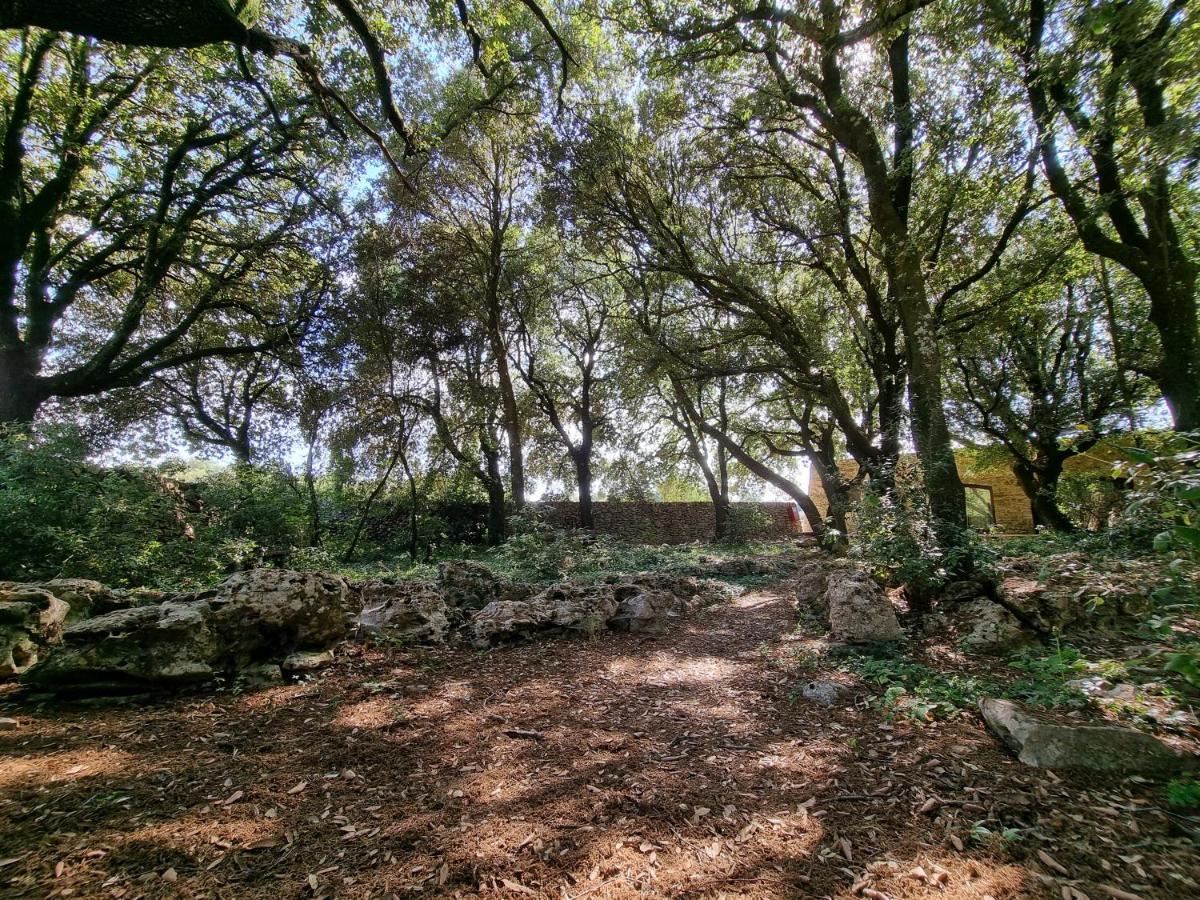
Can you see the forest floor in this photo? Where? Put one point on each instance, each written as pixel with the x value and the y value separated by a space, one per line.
pixel 619 766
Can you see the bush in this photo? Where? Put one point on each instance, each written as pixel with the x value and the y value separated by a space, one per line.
pixel 895 537
pixel 1165 499
pixel 63 516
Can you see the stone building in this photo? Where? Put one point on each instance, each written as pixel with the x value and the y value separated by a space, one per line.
pixel 995 499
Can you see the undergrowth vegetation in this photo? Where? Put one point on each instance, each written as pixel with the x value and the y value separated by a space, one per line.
pixel 923 693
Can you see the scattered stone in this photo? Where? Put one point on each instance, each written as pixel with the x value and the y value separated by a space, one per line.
pixel 1100 748
pixel 826 693
pixel 859 610
pixel 7 724
pixel 305 661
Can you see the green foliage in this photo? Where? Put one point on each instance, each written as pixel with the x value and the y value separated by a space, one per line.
pixel 895 536
pixel 61 515
pixel 1166 495
pixel 1183 793
pixel 923 693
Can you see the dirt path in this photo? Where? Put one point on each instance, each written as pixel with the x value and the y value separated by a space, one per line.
pixel 615 767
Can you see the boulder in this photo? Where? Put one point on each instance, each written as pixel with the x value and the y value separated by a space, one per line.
pixel 31 620
pixel 263 608
pixel 810 583
pixel 562 607
pixel 691 592
pixel 146 646
pixel 645 610
pixel 410 612
pixel 859 610
pixel 304 661
pixel 470 585
pixel 825 693
pixel 255 617
pixel 1098 748
pixel 1048 609
pixel 962 591
pixel 993 628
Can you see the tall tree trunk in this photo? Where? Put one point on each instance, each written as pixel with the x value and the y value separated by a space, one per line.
pixel 310 484
pixel 1040 484
pixel 412 506
pixel 20 393
pixel 495 492
pixel 1173 313
pixel 583 475
pixel 515 433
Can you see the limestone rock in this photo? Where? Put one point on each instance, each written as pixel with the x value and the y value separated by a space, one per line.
pixel 562 607
pixel 147 646
pixel 7 724
pixel 691 592
pixel 253 617
pixel 645 611
pixel 1049 609
pixel 411 611
pixel 470 585
pixel 1100 748
pixel 810 583
pixel 859 610
pixel 826 693
pixel 31 620
pixel 279 607
pixel 261 675
pixel 993 628
pixel 304 661
pixel 962 592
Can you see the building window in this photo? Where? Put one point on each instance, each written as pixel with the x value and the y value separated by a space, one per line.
pixel 981 511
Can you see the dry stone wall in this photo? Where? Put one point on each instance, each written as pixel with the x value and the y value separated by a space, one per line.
pixel 672 523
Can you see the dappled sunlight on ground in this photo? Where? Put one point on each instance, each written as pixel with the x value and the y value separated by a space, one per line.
pixel 619 766
pixel 55 768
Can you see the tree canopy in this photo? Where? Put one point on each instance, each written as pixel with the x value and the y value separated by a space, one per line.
pixel 509 251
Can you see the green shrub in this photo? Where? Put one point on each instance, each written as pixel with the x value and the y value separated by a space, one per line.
pixel 923 693
pixel 1183 793
pixel 895 537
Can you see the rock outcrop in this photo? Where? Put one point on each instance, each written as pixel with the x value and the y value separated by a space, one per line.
pixel 252 618
pixel 31 620
pixel 639 603
pixel 1098 748
pixel 993 629
pixel 469 585
pixel 859 610
pixel 562 607
pixel 407 611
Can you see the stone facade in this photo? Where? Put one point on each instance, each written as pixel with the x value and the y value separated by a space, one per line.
pixel 1012 511
pixel 675 522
